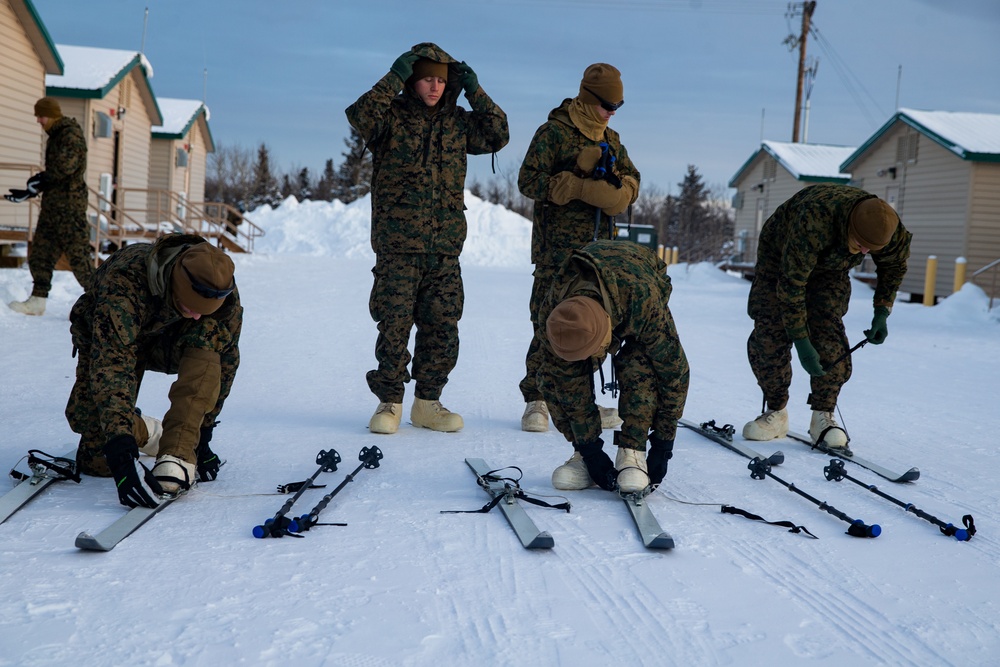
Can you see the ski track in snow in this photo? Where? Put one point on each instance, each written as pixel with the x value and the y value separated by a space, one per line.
pixel 402 584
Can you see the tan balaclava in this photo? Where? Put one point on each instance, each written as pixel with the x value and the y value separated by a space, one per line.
pixel 601 83
pixel 202 278
pixel 871 225
pixel 578 328
pixel 425 67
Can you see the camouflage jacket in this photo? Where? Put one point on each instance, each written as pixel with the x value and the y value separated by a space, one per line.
pixel 128 314
pixel 65 168
pixel 634 287
pixel 805 239
pixel 556 230
pixel 419 158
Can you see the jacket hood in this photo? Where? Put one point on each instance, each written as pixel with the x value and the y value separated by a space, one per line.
pixel 561 113
pixel 161 260
pixel 453 88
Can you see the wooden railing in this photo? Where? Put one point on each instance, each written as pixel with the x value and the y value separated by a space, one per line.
pixel 166 212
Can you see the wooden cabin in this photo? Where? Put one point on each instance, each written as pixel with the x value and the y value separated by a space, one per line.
pixel 940 170
pixel 28 55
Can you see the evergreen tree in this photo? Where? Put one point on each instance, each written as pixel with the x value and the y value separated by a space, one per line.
pixel 354 179
pixel 304 190
pixel 265 185
pixel 326 183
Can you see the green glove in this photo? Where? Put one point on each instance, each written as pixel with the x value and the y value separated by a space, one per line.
pixel 808 357
pixel 403 67
pixel 468 78
pixel 879 330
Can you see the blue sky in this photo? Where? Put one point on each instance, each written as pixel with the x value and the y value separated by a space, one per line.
pixel 705 80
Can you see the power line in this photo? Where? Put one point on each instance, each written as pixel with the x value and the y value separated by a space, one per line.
pixel 851 81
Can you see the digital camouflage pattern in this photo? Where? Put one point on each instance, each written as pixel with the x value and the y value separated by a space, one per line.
pixel 558 230
pixel 801 288
pixel 422 290
pixel 62 222
pixel 126 324
pixel 632 284
pixel 419 159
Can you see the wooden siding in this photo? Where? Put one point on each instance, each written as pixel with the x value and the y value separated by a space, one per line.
pixel 984 225
pixel 775 190
pixel 197 160
pixel 136 140
pixel 22 80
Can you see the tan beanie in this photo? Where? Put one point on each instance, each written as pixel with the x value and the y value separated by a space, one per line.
pixel 872 223
pixel 48 107
pixel 202 278
pixel 425 67
pixel 603 81
pixel 577 328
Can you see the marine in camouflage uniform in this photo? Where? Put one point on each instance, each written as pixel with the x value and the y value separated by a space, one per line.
pixel 801 288
pixel 129 322
pixel 571 133
pixel 418 214
pixel 62 222
pixel 632 286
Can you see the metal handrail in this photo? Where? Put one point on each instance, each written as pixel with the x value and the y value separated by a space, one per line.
pixel 993 287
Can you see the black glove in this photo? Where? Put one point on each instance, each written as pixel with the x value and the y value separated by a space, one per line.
pixel 18 196
pixel 208 462
pixel 37 183
pixel 660 451
pixel 403 67
pixel 468 78
pixel 122 453
pixel 599 465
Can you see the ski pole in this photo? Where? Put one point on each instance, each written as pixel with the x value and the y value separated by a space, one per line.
pixel 279 525
pixel 760 468
pixel 864 341
pixel 369 457
pixel 835 472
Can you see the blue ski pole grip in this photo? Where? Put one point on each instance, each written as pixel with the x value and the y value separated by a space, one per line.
pixel 859 529
pixel 260 532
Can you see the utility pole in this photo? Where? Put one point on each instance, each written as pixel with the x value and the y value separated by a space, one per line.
pixel 807 11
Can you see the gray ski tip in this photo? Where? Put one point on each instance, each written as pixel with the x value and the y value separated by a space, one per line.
pixel 88 542
pixel 661 541
pixel 542 541
pixel 911 475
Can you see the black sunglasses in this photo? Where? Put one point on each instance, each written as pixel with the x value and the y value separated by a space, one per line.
pixel 607 106
pixel 205 291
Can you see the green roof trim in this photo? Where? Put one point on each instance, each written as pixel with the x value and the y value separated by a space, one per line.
pixel 44 32
pixel 187 128
pixel 98 93
pixel 902 117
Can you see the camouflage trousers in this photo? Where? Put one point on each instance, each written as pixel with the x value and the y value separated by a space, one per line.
pixel 544 277
pixel 422 290
pixel 769 348
pixel 83 410
pixel 55 236
pixel 642 406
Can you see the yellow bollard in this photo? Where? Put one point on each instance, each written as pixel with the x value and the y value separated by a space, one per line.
pixel 675 259
pixel 659 253
pixel 930 279
pixel 959 274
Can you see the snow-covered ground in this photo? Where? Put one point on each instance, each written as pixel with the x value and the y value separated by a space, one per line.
pixel 403 584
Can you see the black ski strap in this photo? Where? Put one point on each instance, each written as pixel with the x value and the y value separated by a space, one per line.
pixel 970 527
pixel 64 468
pixel 512 489
pixel 792 528
pixel 292 487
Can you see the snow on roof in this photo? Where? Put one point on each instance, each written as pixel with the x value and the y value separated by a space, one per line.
pixel 91 68
pixel 806 161
pixel 961 132
pixel 178 114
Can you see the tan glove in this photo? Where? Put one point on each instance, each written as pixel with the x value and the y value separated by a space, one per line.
pixel 564 187
pixel 587 159
pixel 626 195
pixel 601 194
